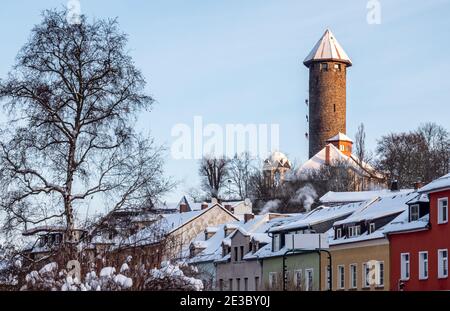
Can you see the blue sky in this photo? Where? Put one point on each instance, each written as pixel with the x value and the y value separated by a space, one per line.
pixel 241 62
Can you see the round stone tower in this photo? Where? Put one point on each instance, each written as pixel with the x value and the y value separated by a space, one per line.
pixel 327 63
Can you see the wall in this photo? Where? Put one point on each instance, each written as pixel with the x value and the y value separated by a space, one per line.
pixel 293 262
pixel 183 236
pixel 437 237
pixel 359 253
pixel 240 269
pixel 327 104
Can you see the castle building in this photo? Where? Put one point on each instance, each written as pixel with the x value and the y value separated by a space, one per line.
pixel 275 169
pixel 327 63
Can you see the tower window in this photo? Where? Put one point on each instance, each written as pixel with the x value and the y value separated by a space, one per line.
pixel 334 107
pixel 324 67
pixel 337 67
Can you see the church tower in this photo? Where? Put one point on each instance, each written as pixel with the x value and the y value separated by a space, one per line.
pixel 327 63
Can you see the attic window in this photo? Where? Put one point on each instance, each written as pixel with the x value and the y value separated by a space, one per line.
pixel 371 227
pixel 324 67
pixel 354 231
pixel 338 233
pixel 414 212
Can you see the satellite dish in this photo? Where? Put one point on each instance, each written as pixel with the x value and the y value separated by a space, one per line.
pixel 247 202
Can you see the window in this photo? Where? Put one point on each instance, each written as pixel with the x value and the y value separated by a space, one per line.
pixel 324 67
pixel 276 242
pixel 298 279
pixel 337 67
pixel 341 147
pixel 256 282
pixel 334 110
pixel 341 277
pixel 309 279
pixel 414 212
pixel 423 265
pixel 354 231
pixel 442 263
pixel 380 274
pixel 238 284
pixel 371 227
pixel 246 284
pixel 442 210
pixel 230 282
pixel 221 284
pixel 242 253
pixel 236 254
pixel 338 233
pixel 404 266
pixel 353 276
pixel 272 279
pixel 365 275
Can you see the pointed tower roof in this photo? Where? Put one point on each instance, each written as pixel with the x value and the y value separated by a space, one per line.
pixel 327 48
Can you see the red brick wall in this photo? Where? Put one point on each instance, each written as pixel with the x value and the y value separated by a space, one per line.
pixel 327 104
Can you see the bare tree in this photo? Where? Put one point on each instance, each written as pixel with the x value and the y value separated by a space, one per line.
pixel 214 173
pixel 437 139
pixel 362 153
pixel 240 171
pixel 72 99
pixel 423 154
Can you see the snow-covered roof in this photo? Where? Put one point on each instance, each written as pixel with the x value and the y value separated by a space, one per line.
pixel 402 224
pixel 336 156
pixel 327 48
pixel 47 229
pixel 439 184
pixel 166 225
pixel 321 214
pixel 256 229
pixel 420 198
pixel 357 196
pixel 340 137
pixel 277 159
pixel 380 208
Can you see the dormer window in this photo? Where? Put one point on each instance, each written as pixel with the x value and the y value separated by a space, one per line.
pixel 338 233
pixel 371 227
pixel 354 231
pixel 276 242
pixel 414 212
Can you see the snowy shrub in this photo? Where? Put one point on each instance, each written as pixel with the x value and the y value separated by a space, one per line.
pixel 171 277
pixel 45 279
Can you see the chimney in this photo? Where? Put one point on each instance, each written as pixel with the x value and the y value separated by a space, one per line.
pixel 183 208
pixel 248 217
pixel 394 185
pixel 327 155
pixel 214 201
pixel 204 205
pixel 418 185
pixel 228 208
